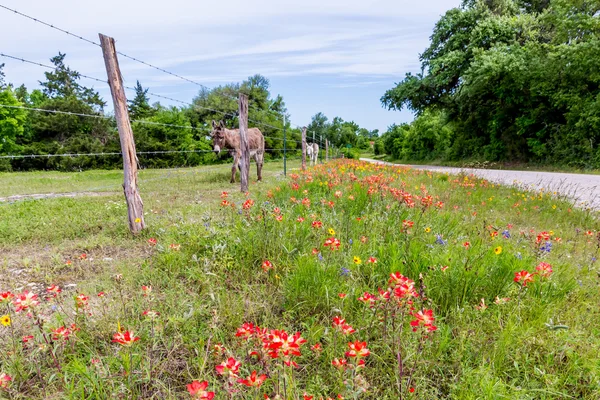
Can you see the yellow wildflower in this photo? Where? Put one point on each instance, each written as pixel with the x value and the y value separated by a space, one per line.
pixel 5 320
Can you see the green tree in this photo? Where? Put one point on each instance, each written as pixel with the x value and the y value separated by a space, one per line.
pixel 515 79
pixel 12 122
pixel 2 76
pixel 139 107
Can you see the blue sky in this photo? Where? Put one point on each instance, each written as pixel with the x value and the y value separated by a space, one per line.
pixel 333 56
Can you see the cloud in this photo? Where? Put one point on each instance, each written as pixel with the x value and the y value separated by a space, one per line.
pixel 335 44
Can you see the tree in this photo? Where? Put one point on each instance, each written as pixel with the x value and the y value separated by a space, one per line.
pixel 2 76
pixel 139 107
pixel 318 126
pixel 12 122
pixel 514 79
pixel 63 83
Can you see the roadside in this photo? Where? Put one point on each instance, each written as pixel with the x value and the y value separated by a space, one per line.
pixel 583 189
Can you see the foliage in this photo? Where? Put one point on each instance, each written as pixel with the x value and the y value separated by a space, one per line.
pixel 339 132
pixel 516 81
pixel 12 121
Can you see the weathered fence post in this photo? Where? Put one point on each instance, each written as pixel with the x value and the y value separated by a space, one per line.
pixel 321 152
pixel 303 148
pixel 244 147
pixel 135 206
pixel 326 150
pixel 284 148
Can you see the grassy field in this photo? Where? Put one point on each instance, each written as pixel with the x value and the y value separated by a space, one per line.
pixel 348 281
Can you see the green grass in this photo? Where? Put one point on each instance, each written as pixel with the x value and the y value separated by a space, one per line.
pixel 213 283
pixel 510 166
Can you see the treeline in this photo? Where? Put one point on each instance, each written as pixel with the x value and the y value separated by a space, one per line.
pixel 347 136
pixel 505 80
pixel 160 128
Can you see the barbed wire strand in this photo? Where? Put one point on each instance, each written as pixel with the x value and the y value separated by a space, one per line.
pixel 72 155
pixel 172 173
pixel 225 114
pixel 140 121
pixel 123 54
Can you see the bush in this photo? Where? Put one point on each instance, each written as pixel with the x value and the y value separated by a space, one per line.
pixel 351 153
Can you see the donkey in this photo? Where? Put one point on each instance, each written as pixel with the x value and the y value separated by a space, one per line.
pixel 312 151
pixel 229 140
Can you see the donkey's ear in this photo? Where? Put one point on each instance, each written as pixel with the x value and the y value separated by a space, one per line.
pixel 222 124
pixel 214 124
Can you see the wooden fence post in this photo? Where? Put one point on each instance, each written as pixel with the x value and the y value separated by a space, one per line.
pixel 244 146
pixel 326 150
pixel 135 206
pixel 303 148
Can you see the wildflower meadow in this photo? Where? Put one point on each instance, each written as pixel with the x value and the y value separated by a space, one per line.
pixel 346 281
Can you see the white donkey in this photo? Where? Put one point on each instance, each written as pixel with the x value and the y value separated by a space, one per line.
pixel 312 151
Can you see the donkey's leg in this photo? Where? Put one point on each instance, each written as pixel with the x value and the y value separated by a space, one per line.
pixel 235 163
pixel 260 157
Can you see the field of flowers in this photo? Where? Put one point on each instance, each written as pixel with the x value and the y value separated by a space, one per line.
pixel 347 281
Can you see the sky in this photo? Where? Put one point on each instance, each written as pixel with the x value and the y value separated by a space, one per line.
pixel 331 56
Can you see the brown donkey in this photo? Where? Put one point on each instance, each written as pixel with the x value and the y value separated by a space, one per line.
pixel 229 139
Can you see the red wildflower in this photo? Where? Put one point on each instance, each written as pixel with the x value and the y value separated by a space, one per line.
pixel 151 314
pixel 152 241
pixel 544 269
pixel 248 204
pixel 146 290
pixel 25 300
pixel 332 243
pixel 81 300
pixel 230 367
pixel 372 260
pixel 126 338
pixel 341 325
pixel 425 319
pixel 466 245
pixel 357 349
pixel 5 380
pixel 53 290
pixel 339 363
pixel 198 390
pixel 246 330
pixel 317 224
pixel 342 295
pixel 61 333
pixel 368 298
pixel 266 265
pixel 253 380
pixel 300 219
pixel 6 297
pixel 523 277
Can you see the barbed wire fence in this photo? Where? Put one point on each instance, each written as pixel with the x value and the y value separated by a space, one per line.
pixel 206 130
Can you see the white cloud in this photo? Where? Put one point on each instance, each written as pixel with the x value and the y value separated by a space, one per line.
pixel 347 43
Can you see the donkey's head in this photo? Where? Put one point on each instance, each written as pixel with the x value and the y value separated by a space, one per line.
pixel 218 136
